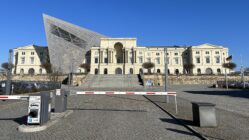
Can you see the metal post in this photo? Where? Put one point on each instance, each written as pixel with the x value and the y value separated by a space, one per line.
pixel 176 105
pixel 9 73
pixel 226 78
pixel 243 76
pixel 166 73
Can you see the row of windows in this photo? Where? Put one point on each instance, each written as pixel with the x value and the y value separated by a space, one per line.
pixel 207 60
pixel 31 71
pixel 32 53
pixel 32 60
pixel 207 52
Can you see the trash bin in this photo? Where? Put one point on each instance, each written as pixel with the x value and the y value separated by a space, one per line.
pixel 60 100
pixel 204 114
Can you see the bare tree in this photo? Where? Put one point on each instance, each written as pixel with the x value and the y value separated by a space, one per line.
pixel 86 67
pixel 7 66
pixel 188 68
pixel 52 72
pixel 229 66
pixel 149 66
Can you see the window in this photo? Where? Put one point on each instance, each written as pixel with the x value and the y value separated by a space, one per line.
pixel 157 54
pixel 148 54
pixel 22 71
pixel 106 60
pixel 96 60
pixel 207 52
pixel 176 60
pixel 22 60
pixel 176 54
pixel 23 53
pixel 130 60
pixel 217 59
pixel 40 71
pixel 140 53
pixel 32 60
pixel 140 59
pixel 197 52
pixel 198 71
pixel 217 52
pixel 148 59
pixel 167 53
pixel 32 53
pixel 198 60
pixel 158 60
pixel 207 60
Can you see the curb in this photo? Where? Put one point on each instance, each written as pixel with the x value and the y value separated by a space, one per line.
pixel 179 121
pixel 37 128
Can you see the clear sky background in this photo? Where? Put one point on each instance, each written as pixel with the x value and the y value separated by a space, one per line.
pixel 152 22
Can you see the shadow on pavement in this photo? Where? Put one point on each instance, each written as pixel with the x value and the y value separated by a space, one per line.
pixel 85 109
pixel 21 120
pixel 187 122
pixel 180 131
pixel 231 93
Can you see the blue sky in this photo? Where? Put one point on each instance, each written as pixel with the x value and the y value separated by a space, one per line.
pixel 152 22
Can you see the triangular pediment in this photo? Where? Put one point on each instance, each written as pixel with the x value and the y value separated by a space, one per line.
pixel 207 46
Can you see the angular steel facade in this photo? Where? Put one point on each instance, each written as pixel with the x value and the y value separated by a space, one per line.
pixel 68 44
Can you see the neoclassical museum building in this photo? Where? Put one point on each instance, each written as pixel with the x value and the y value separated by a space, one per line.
pixel 69 46
pixel 123 56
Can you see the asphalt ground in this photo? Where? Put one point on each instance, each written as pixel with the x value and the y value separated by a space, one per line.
pixel 102 117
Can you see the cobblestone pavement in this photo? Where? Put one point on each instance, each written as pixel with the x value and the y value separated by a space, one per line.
pixel 98 117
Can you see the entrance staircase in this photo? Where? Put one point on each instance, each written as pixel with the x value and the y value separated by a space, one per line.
pixel 111 81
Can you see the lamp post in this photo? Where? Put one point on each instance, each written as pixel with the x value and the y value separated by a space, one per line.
pixel 9 73
pixel 166 73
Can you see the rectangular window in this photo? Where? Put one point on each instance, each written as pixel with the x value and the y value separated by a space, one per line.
pixel 32 60
pixel 106 60
pixel 207 52
pixel 148 59
pixel 176 60
pixel 157 54
pixel 217 52
pixel 197 52
pixel 198 60
pixel 22 60
pixel 96 60
pixel 217 60
pixel 207 60
pixel 176 54
pixel 130 60
pixel 32 53
pixel 158 60
pixel 140 59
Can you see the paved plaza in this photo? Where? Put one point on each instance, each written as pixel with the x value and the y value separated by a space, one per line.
pixel 104 117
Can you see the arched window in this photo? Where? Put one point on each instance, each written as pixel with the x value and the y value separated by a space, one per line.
pixel 31 71
pixel 176 71
pixel 198 71
pixel 21 71
pixel 218 71
pixel 119 52
pixel 158 71
pixel 105 71
pixel 141 71
pixel 96 71
pixel 131 70
pixel 209 71
pixel 118 71
pixel 168 72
